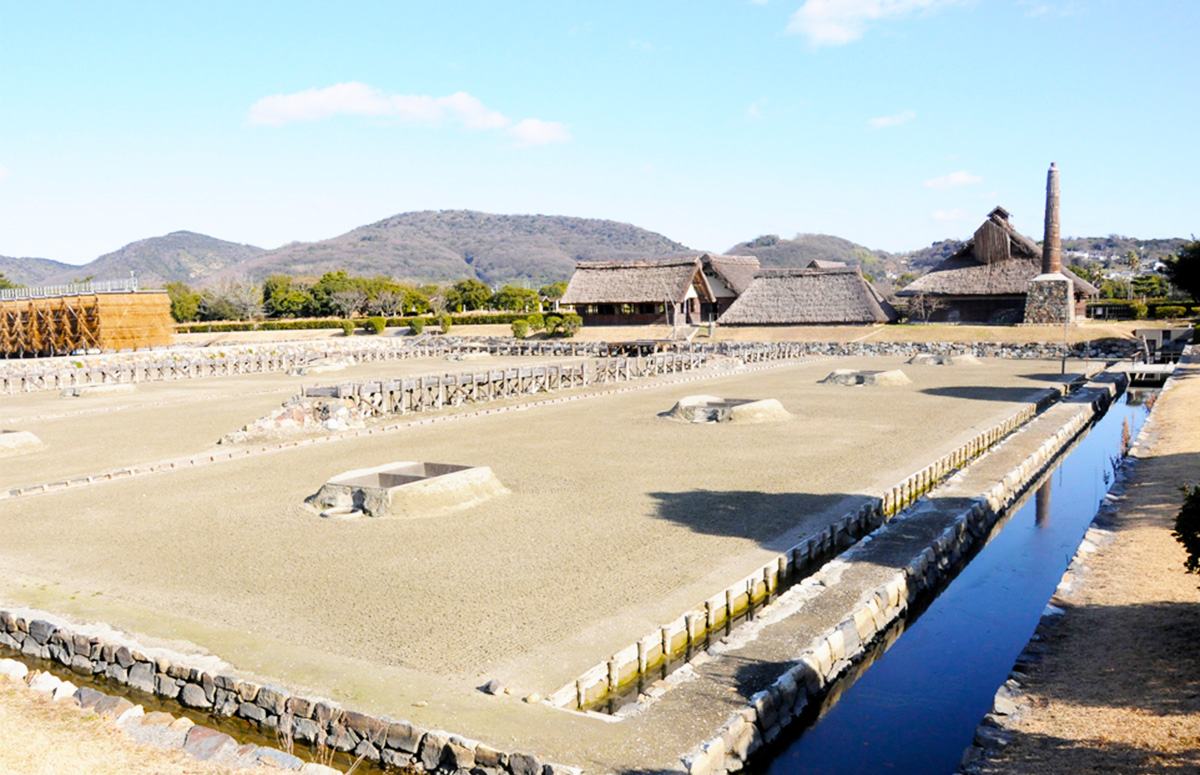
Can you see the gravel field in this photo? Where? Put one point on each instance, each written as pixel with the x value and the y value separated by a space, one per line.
pixel 617 521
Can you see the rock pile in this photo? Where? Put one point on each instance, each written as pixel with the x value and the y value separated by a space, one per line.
pixel 298 417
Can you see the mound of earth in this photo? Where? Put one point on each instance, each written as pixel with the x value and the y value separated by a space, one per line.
pixel 713 409
pixel 851 377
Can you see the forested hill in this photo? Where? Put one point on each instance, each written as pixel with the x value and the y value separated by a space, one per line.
pixel 774 251
pixel 452 244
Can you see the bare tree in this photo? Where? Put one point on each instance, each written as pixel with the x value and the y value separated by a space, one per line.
pixel 348 303
pixel 387 303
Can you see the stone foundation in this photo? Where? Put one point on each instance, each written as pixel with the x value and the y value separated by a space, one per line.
pixel 1049 300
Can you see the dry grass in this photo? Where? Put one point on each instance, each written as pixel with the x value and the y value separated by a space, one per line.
pixel 40 736
pixel 1118 691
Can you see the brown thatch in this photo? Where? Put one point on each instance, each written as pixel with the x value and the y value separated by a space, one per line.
pixel 632 282
pixel 821 263
pixel 808 296
pixel 736 272
pixel 997 261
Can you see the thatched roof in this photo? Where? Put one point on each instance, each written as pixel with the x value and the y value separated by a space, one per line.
pixel 821 263
pixel 808 296
pixel 997 261
pixel 737 272
pixel 633 282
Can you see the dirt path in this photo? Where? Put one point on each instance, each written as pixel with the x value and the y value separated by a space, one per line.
pixel 1117 689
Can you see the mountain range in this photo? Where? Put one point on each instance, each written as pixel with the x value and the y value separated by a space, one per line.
pixel 452 244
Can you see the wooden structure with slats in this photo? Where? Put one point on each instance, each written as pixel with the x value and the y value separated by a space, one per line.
pixel 34 323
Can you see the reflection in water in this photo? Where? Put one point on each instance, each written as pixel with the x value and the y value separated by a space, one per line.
pixel 916 707
pixel 1043 504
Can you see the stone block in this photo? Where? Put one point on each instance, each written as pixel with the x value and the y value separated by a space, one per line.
pixel 193 696
pixel 44 683
pixel 112 707
pixel 430 751
pixel 272 699
pixel 251 712
pixel 165 686
pixel 12 669
pixel 204 744
pixel 141 676
pixel 41 631
pixel 524 764
pixel 403 736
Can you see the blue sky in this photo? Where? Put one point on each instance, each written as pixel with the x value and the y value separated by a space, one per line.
pixel 889 122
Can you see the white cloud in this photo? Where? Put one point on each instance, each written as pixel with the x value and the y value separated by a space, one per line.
pixel 534 131
pixel 755 109
pixel 837 22
pixel 948 216
pixel 954 180
pixel 360 99
pixel 896 119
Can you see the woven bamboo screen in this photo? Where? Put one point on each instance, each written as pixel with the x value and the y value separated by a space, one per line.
pixel 105 321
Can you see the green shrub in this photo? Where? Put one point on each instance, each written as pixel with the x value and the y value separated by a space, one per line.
pixel 553 324
pixel 1187 527
pixel 374 325
pixel 417 325
pixel 446 322
pixel 536 322
pixel 571 323
pixel 1139 310
pixel 520 328
pixel 1170 311
pixel 348 327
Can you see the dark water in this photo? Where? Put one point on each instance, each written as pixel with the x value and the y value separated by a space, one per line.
pixel 915 709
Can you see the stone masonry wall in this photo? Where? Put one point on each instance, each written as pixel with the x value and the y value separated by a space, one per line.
pixel 306 720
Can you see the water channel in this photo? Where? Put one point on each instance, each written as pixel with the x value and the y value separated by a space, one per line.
pixel 919 697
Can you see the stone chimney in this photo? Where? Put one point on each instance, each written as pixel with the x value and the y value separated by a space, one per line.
pixel 1052 240
pixel 1050 297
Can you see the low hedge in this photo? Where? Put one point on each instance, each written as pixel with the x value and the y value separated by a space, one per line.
pixel 225 326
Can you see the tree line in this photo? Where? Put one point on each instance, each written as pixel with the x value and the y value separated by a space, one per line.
pixel 342 295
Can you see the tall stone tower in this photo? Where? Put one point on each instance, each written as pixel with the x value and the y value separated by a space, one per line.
pixel 1050 297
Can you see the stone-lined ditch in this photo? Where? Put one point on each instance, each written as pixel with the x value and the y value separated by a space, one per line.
pixel 912 703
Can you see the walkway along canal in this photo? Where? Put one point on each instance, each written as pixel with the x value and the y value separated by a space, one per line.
pixel 913 704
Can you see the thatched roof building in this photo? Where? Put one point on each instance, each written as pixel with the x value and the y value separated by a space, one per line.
pixel 986 280
pixel 669 290
pixel 733 272
pixel 821 263
pixel 808 297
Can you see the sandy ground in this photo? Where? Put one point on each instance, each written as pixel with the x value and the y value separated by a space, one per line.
pixel 161 420
pixel 617 521
pixel 1117 690
pixel 42 737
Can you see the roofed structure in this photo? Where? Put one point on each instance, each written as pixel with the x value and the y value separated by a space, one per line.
pixel 987 279
pixel 669 290
pixel 809 297
pixel 735 272
pixel 821 263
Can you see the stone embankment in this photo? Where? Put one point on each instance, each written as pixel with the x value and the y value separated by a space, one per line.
pixel 958 516
pixel 68 373
pixel 312 721
pixel 158 728
pixel 1123 510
